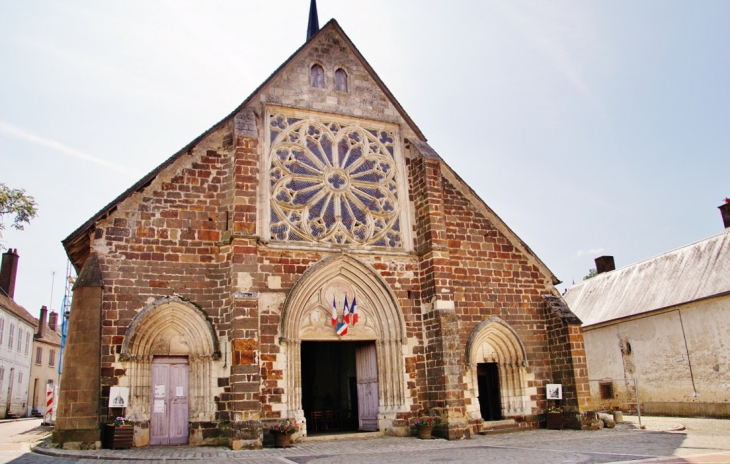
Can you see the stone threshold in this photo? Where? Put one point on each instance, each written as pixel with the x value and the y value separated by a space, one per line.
pixel 342 436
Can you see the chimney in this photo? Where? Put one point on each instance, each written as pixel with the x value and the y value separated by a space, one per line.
pixel 724 210
pixel 41 322
pixel 53 320
pixel 605 264
pixel 8 271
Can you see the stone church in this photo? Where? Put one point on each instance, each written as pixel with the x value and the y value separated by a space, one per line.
pixel 311 258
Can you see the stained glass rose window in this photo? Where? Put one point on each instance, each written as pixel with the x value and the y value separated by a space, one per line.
pixel 333 182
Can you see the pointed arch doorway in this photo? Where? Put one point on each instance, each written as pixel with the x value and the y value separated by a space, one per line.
pixel 363 365
pixel 168 352
pixel 497 370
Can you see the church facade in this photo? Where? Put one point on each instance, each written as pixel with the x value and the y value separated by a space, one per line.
pixel 311 258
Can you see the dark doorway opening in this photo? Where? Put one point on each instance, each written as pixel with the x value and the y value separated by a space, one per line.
pixel 329 386
pixel 489 398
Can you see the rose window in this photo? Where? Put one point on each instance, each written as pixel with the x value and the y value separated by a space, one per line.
pixel 333 182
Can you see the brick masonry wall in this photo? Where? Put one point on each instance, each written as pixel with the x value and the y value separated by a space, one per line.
pixel 167 240
pixel 491 277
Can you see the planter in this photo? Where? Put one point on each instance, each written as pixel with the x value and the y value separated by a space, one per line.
pixel 282 440
pixel 554 420
pixel 424 432
pixel 118 436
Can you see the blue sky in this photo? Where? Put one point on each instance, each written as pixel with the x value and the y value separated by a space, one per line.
pixel 590 127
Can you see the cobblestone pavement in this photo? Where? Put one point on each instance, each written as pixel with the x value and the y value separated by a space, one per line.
pixel 702 441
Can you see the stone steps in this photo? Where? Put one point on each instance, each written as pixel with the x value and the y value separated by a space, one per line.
pixel 500 426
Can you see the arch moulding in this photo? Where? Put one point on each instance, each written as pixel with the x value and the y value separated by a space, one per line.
pixel 306 316
pixel 494 341
pixel 170 326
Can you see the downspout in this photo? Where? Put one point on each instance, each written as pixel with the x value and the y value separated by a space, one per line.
pixel 686 349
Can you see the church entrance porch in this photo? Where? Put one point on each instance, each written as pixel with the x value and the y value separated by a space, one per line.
pixel 339 386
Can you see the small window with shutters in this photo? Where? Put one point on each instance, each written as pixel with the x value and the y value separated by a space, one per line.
pixel 52 358
pixel 27 343
pixel 606 389
pixel 2 329
pixel 10 338
pixel 316 77
pixel 38 355
pixel 20 339
pixel 341 80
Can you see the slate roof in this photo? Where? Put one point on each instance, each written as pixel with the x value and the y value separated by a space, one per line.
pixel 18 311
pixel 694 272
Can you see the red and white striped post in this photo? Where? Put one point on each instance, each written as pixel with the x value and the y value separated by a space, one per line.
pixel 48 416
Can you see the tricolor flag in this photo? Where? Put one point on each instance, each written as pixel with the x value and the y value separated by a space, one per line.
pixel 346 312
pixel 341 329
pixel 334 313
pixel 354 311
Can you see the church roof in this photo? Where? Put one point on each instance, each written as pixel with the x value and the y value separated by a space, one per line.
pixel 77 243
pixel 694 272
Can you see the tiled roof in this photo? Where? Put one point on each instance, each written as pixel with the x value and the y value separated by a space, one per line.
pixel 694 272
pixel 50 336
pixel 18 311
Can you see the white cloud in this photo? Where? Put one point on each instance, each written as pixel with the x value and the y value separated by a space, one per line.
pixel 10 130
pixel 591 252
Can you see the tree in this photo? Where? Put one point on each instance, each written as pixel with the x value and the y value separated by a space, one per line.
pixel 591 273
pixel 15 202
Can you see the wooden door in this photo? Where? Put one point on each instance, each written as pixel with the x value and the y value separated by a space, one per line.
pixel 11 381
pixel 366 365
pixel 169 402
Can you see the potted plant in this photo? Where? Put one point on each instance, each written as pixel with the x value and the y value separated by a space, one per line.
pixel 425 425
pixel 282 432
pixel 554 418
pixel 118 433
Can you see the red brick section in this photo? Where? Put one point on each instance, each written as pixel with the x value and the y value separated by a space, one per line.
pixel 444 369
pixel 244 399
pixel 493 278
pixel 190 235
pixel 567 357
pixel 170 243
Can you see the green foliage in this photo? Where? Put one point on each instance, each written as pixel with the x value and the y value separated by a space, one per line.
pixel 16 202
pixel 591 273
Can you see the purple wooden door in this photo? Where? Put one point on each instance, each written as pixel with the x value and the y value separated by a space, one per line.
pixel 366 364
pixel 169 402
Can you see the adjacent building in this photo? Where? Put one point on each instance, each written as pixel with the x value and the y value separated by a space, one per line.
pixel 310 258
pixel 665 322
pixel 46 359
pixel 17 327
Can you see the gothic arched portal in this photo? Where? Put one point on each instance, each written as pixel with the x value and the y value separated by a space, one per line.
pixel 495 343
pixel 307 316
pixel 169 327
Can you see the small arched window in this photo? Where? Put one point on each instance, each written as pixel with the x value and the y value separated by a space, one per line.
pixel 316 77
pixel 341 80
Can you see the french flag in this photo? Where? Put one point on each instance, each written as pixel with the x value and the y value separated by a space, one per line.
pixel 346 313
pixel 334 313
pixel 354 311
